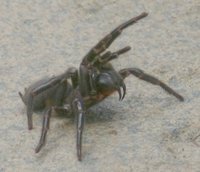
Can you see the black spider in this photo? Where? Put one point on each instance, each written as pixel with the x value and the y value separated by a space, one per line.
pixel 95 80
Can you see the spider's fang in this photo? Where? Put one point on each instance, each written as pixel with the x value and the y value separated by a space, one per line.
pixel 120 93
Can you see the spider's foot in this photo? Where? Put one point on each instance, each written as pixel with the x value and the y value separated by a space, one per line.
pixel 39 147
pixel 79 155
pixel 30 123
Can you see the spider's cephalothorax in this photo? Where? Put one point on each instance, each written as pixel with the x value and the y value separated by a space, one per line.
pixel 95 80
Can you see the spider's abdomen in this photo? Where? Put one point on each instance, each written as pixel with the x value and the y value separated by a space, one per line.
pixel 53 96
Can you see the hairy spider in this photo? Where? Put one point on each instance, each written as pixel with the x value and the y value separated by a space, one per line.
pixel 95 80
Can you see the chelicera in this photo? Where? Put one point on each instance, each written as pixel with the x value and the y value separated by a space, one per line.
pixel 76 90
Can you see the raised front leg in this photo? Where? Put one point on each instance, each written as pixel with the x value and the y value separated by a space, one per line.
pixel 108 56
pixel 108 39
pixel 146 77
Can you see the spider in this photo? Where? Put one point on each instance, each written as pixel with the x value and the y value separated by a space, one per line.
pixel 76 90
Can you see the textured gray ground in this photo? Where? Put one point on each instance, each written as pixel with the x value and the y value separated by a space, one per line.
pixel 148 131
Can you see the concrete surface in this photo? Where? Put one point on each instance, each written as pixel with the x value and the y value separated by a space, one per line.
pixel 149 131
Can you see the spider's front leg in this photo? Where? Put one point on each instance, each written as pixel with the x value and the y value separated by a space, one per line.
pixel 148 78
pixel 108 39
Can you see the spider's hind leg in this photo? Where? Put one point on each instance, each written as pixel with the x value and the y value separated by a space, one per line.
pixel 148 78
pixel 39 90
pixel 22 97
pixel 46 124
pixel 45 127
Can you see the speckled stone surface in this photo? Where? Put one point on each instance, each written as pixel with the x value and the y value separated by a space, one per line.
pixel 150 131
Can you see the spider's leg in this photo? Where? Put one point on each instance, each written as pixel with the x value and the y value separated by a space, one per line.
pixel 86 81
pixel 36 92
pixel 46 124
pixel 79 109
pixel 108 39
pixel 45 127
pixel 22 97
pixel 146 77
pixel 108 56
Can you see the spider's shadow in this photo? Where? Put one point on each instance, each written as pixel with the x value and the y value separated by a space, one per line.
pixel 95 114
pixel 98 114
